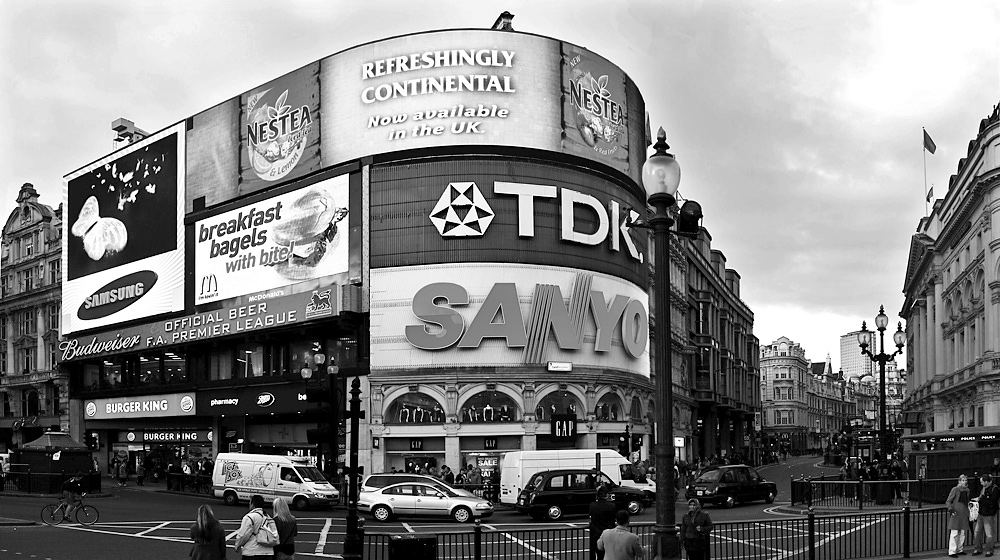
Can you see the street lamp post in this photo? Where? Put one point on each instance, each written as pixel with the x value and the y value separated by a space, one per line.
pixel 864 340
pixel 661 176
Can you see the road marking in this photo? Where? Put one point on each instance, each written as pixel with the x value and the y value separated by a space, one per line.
pixel 408 528
pixel 528 546
pixel 321 542
pixel 151 529
pixel 490 527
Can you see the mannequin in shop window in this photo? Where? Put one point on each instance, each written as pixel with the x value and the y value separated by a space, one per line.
pixel 539 413
pixel 404 413
pixel 504 414
pixel 571 409
pixel 419 415
pixel 438 414
pixel 602 413
pixel 488 413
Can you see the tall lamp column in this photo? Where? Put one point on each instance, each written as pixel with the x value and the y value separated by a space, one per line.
pixel 661 176
pixel 864 340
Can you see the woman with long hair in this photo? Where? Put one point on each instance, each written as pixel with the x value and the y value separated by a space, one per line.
pixel 958 522
pixel 206 532
pixel 287 530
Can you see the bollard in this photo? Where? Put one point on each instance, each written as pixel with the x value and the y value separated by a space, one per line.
pixel 477 540
pixel 906 528
pixel 812 534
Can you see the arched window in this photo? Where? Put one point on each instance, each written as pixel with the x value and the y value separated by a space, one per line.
pixel 414 408
pixel 559 402
pixel 489 406
pixel 635 411
pixel 609 408
pixel 651 411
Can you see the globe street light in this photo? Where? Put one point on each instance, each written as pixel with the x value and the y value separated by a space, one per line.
pixel 864 340
pixel 661 175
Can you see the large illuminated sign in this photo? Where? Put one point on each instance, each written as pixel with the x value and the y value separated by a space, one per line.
pixel 500 317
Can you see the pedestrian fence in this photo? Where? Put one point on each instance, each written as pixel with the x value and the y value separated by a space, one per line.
pixel 824 493
pixel 21 478
pixel 898 533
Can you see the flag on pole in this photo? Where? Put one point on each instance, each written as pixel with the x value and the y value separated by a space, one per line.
pixel 929 144
pixel 930 193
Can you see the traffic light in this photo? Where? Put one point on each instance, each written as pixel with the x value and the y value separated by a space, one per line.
pixel 623 442
pixel 636 442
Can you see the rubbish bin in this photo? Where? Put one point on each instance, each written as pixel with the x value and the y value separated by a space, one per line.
pixel 412 547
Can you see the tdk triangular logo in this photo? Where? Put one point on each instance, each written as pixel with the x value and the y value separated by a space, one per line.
pixel 462 211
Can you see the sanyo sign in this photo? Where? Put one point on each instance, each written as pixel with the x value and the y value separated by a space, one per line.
pixel 500 317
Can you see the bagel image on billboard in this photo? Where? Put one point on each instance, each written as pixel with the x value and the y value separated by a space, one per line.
pixel 293 237
pixel 123 249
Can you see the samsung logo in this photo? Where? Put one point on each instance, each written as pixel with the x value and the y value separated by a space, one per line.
pixel 117 295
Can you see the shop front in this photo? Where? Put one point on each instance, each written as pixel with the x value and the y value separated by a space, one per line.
pixel 160 451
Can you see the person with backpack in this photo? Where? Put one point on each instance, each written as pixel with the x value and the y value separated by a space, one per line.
pixel 258 534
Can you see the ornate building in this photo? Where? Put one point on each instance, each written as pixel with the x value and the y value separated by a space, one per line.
pixel 33 393
pixel 723 375
pixel 952 289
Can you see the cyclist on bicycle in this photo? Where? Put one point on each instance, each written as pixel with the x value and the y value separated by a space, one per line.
pixel 71 493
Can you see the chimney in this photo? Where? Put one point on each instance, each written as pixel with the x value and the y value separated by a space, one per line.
pixel 503 22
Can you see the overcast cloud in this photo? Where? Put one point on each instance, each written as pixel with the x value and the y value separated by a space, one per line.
pixel 797 124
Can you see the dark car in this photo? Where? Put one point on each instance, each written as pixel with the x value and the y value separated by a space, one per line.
pixel 554 494
pixel 729 485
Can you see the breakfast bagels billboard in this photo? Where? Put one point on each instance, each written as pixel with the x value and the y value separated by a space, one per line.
pixel 436 89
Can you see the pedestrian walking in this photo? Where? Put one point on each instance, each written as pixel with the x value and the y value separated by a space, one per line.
pixel 256 531
pixel 602 518
pixel 140 474
pixel 620 543
pixel 287 530
pixel 209 539
pixel 986 525
pixel 696 527
pixel 122 473
pixel 958 522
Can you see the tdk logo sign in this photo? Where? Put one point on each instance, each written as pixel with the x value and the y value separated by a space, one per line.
pixel 462 211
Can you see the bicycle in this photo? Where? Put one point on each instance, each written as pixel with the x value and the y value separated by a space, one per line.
pixel 54 514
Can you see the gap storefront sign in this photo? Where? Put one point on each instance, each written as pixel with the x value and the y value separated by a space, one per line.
pixel 147 406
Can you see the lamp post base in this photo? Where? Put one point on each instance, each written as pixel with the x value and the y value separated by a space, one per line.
pixel 666 545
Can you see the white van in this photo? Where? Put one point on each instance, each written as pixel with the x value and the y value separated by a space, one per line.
pixel 237 476
pixel 519 466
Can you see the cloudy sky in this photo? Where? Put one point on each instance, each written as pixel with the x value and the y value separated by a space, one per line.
pixel 797 124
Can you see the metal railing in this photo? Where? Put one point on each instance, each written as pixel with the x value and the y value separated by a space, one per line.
pixel 897 533
pixel 21 478
pixel 825 493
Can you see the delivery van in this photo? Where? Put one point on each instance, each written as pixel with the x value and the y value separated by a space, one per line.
pixel 237 476
pixel 518 467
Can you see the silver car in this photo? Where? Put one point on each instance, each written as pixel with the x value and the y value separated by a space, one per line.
pixel 421 499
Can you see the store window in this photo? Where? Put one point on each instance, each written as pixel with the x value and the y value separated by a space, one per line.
pixel 559 402
pixel 414 408
pixel 7 410
pixel 609 408
pixel 250 360
pixel 489 407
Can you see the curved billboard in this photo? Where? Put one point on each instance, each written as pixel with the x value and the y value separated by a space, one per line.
pixel 464 87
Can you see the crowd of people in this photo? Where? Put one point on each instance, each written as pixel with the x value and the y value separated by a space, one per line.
pixel 469 477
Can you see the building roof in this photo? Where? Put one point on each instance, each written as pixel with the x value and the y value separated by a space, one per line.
pixel 54 440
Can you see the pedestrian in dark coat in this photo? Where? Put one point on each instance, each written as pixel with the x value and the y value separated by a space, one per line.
pixel 696 526
pixel 288 529
pixel 602 517
pixel 209 539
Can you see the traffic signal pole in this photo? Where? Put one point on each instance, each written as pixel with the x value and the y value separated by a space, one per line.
pixel 353 542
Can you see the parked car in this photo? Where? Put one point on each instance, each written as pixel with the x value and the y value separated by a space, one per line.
pixel 422 499
pixel 554 494
pixel 376 481
pixel 729 485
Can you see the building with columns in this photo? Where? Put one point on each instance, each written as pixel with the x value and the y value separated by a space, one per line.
pixel 952 305
pixel 33 392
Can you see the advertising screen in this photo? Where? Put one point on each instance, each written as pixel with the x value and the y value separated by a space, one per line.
pixel 293 237
pixel 507 315
pixel 123 248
